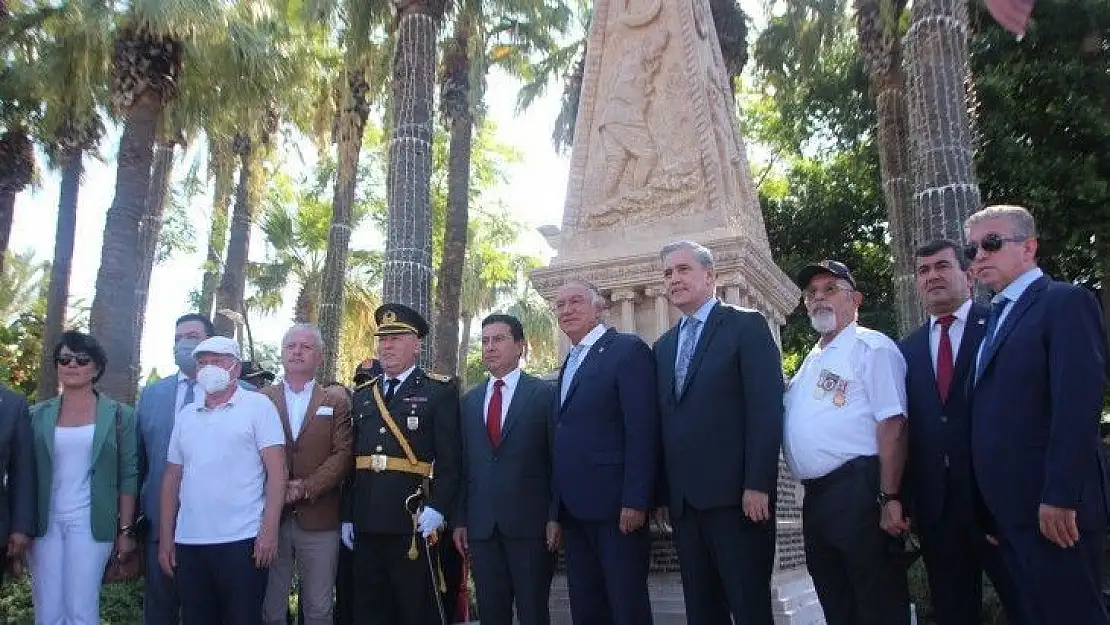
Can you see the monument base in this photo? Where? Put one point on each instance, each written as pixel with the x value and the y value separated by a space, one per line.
pixel 794 600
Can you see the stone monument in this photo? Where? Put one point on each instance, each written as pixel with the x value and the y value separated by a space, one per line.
pixel 657 158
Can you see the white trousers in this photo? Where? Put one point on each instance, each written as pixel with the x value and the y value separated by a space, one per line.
pixel 67 566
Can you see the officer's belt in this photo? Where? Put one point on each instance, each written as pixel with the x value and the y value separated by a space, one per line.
pixel 381 462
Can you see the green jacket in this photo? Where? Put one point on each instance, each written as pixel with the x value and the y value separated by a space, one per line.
pixel 115 468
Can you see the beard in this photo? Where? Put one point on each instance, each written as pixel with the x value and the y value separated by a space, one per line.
pixel 823 321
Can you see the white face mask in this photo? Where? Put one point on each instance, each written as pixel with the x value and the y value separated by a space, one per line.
pixel 213 379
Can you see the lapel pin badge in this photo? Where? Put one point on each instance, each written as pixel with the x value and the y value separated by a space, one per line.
pixel 982 322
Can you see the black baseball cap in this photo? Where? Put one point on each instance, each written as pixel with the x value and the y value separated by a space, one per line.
pixel 831 267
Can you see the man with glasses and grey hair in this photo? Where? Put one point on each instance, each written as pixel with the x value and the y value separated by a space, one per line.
pixel 317 424
pixel 719 380
pixel 845 439
pixel 1040 379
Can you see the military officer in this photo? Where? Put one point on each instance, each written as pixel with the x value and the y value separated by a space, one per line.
pixel 406 442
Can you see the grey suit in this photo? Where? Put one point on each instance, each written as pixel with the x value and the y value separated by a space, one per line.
pixel 505 502
pixel 17 469
pixel 155 415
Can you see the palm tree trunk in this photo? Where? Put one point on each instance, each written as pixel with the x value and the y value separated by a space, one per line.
pixel 7 216
pixel 941 150
pixel 456 103
pixel 223 174
pixel 408 252
pixel 110 320
pixel 464 348
pixel 233 282
pixel 883 58
pixel 304 311
pixel 150 230
pixel 352 123
pixel 57 298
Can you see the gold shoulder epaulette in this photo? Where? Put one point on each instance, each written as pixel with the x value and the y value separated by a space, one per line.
pixel 367 383
pixel 439 377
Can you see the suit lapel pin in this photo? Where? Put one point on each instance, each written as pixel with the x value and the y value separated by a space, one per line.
pixel 600 349
pixel 982 322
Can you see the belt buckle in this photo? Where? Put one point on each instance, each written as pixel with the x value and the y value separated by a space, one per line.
pixel 377 462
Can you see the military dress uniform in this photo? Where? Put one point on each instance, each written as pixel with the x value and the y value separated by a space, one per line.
pixel 394 584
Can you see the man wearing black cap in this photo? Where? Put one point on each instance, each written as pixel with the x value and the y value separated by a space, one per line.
pixel 405 422
pixel 845 438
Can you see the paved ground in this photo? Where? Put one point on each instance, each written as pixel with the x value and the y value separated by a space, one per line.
pixel 666 600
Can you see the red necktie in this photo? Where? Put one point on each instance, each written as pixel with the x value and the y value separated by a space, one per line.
pixel 493 414
pixel 944 358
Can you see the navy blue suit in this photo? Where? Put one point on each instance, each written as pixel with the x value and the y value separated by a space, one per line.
pixel 1034 439
pixel 606 454
pixel 940 486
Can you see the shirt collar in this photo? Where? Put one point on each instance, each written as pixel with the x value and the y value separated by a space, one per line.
pixel 311 384
pixel 702 313
pixel 182 378
pixel 203 407
pixel 1015 289
pixel 848 334
pixel 510 379
pixel 401 378
pixel 960 314
pixel 593 335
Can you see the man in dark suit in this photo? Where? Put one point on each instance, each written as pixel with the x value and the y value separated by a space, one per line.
pixel 1039 383
pixel 720 387
pixel 605 459
pixel 403 423
pixel 505 521
pixel 17 470
pixel 940 358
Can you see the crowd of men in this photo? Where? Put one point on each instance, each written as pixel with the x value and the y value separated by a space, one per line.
pixel 979 433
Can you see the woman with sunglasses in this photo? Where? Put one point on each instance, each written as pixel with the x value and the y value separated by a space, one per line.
pixel 86 456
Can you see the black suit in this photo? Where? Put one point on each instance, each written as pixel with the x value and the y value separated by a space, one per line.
pixel 721 436
pixel 505 502
pixel 940 483
pixel 17 469
pixel 392 588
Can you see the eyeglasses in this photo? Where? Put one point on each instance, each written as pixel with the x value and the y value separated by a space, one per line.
pixel 992 242
pixel 811 294
pixel 67 359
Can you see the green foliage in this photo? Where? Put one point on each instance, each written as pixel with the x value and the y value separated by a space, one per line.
pixel 120 604
pixel 1043 122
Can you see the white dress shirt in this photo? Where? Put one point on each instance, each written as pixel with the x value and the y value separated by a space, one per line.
pixel 400 379
pixel 955 332
pixel 572 366
pixel 511 378
pixel 182 388
pixel 296 405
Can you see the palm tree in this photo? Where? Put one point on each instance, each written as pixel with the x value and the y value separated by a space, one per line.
pixel 407 277
pixel 148 59
pixel 877 26
pixel 945 192
pixel 17 167
pixel 221 171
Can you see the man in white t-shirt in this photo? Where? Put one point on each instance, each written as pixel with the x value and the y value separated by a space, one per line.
pixel 222 494
pixel 845 438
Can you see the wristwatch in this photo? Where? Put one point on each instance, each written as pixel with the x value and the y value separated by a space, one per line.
pixel 885 498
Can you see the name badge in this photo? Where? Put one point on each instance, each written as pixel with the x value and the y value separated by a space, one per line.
pixel 413 423
pixel 325 411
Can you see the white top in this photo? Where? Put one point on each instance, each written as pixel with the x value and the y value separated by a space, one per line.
pixel 223 478
pixel 511 378
pixel 296 404
pixel 838 396
pixel 69 490
pixel 955 332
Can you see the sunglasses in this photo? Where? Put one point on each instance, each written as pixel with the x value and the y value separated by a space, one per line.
pixel 992 242
pixel 65 361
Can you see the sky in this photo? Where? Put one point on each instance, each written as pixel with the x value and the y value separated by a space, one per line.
pixel 533 194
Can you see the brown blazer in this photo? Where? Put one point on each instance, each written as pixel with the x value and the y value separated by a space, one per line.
pixel 321 454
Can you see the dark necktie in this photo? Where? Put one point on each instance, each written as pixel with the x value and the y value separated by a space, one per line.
pixel 493 414
pixel 391 386
pixel 988 338
pixel 944 358
pixel 190 397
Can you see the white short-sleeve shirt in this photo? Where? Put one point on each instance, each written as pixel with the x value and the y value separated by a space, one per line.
pixel 223 478
pixel 839 395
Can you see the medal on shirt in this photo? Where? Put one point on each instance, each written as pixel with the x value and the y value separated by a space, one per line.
pixel 826 382
pixel 413 423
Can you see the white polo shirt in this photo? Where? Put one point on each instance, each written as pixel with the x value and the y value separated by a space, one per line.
pixel 223 479
pixel 837 398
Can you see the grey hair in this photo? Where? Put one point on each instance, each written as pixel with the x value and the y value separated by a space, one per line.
pixel 1020 218
pixel 311 328
pixel 599 302
pixel 700 252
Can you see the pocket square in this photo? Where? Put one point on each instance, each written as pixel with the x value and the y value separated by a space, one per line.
pixel 324 411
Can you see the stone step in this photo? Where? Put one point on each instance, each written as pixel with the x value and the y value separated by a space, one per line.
pixel 665 589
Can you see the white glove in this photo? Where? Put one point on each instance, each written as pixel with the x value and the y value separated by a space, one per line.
pixel 347 535
pixel 429 521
